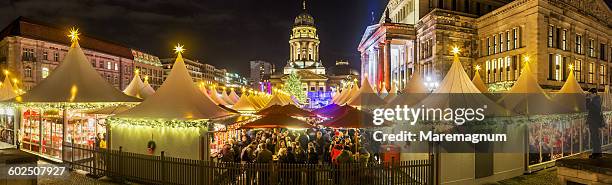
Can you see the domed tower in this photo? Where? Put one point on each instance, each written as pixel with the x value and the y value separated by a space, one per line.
pixel 304 45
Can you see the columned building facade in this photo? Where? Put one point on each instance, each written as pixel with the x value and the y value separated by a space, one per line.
pixel 495 35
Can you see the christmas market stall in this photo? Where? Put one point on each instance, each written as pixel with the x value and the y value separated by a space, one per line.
pixel 8 121
pixel 137 88
pixel 53 112
pixel 175 120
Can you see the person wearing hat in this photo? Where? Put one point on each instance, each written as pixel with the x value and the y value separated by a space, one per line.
pixel 594 121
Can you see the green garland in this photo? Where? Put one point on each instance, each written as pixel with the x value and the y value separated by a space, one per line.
pixel 158 122
pixel 68 105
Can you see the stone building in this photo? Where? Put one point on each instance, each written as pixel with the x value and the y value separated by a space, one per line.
pixel 31 49
pixel 497 35
pixel 194 67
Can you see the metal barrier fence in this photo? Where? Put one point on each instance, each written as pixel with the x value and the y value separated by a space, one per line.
pixel 125 166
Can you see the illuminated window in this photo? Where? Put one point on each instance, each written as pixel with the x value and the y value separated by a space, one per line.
pixel 494 67
pixel 579 44
pixel 602 74
pixel 494 44
pixel 507 68
pixel 108 65
pixel 515 38
pixel 45 72
pixel 488 46
pixel 591 72
pixel 116 67
pixel 56 57
pixel 28 72
pixel 550 35
pixel 564 39
pixel 488 68
pixel 578 70
pixel 591 48
pixel 508 41
pixel 501 42
pixel 557 68
pixel 500 66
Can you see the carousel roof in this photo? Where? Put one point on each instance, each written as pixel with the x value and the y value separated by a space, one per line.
pixel 177 98
pixel 75 80
pixel 276 121
pixel 137 88
pixel 6 89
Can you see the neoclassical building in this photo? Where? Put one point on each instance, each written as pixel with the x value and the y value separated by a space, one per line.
pixel 305 61
pixel 496 35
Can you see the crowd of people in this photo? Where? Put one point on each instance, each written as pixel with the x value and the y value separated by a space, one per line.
pixel 309 146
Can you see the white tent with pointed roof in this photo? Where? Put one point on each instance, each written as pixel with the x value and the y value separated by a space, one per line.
pixel 413 93
pixel 457 91
pixel 226 97
pixel 176 99
pixel 245 105
pixel 6 89
pixel 571 94
pixel 479 83
pixel 234 96
pixel 276 100
pixel 147 88
pixel 365 96
pixel 392 93
pixel 383 92
pixel 349 93
pixel 75 80
pixel 137 88
pixel 340 92
pixel 214 95
pixel 527 97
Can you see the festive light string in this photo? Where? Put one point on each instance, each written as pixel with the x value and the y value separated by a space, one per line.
pixel 156 123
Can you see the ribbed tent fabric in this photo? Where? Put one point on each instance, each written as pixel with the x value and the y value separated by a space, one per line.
pixel 456 90
pixel 244 104
pixel 147 89
pixel 136 88
pixel 290 110
pixel 214 95
pixel 226 98
pixel 339 93
pixel 366 96
pixel 75 80
pixel 479 83
pixel 234 96
pixel 352 118
pixel 276 121
pixel 392 93
pixel 177 99
pixel 350 93
pixel 6 90
pixel 276 100
pixel 255 100
pixel 416 85
pixel 383 92
pixel 527 97
pixel 571 94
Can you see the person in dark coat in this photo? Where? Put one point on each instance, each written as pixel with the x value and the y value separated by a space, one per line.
pixel 594 121
pixel 300 154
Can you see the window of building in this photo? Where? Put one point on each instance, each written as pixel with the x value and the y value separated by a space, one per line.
pixel 321 88
pixel 312 89
pixel 508 41
pixel 564 40
pixel 515 38
pixel 602 51
pixel 45 55
pixel 550 66
pixel 494 44
pixel 557 68
pixel 501 42
pixel 551 29
pixel 500 66
pixel 488 46
pixel 494 72
pixel 56 57
pixel 28 72
pixel 116 67
pixel 579 44
pixel 108 65
pixel 591 71
pixel 602 74
pixel 591 48
pixel 516 66
pixel 578 70
pixel 508 68
pixel 45 72
pixel 466 6
pixel 488 68
pixel 558 38
pixel 101 65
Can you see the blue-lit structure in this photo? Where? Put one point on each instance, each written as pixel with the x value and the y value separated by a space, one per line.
pixel 319 99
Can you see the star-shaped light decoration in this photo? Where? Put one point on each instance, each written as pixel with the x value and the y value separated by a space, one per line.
pixel 571 67
pixel 455 50
pixel 179 49
pixel 477 67
pixel 526 58
pixel 74 34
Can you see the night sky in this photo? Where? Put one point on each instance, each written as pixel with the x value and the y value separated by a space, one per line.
pixel 224 33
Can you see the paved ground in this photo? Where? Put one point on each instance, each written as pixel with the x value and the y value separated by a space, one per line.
pixel 543 177
pixel 73 178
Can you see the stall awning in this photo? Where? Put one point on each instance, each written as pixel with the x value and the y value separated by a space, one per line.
pixel 290 110
pixel 277 121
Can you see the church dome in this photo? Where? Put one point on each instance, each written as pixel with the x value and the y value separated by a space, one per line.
pixel 304 19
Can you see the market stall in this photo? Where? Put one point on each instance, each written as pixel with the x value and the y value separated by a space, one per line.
pixel 8 124
pixel 52 113
pixel 176 119
pixel 137 88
